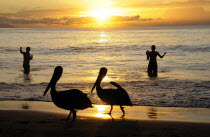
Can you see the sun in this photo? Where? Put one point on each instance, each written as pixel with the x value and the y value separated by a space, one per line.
pixel 101 14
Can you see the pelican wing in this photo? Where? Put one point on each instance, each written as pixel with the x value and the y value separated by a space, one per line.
pixel 116 85
pixel 121 90
pixel 116 96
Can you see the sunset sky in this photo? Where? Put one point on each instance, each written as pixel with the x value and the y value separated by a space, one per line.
pixel 103 13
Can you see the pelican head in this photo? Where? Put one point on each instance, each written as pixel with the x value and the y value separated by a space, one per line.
pixel 56 76
pixel 101 75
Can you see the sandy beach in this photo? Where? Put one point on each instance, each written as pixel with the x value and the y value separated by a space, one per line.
pixel 43 119
pixel 26 123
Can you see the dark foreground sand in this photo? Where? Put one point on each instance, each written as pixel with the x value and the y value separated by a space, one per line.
pixel 27 123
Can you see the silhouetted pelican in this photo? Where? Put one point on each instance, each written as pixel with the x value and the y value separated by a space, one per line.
pixel 69 99
pixel 111 96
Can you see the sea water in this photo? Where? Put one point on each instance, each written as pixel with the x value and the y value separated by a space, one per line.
pixel 183 74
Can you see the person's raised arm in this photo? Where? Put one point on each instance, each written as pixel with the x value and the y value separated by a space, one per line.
pixel 162 55
pixel 21 50
pixel 147 53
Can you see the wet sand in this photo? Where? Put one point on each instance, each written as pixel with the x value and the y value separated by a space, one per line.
pixel 27 123
pixel 200 115
pixel 43 119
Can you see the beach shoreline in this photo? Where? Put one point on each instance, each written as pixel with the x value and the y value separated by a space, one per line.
pixel 26 123
pixel 199 115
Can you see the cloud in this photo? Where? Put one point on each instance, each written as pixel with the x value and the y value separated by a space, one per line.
pixel 65 17
pixel 131 18
pixel 60 21
pixel 41 13
pixel 190 12
pixel 71 20
pixel 6 26
pixel 125 18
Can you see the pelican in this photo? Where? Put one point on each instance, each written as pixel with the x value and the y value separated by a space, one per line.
pixel 111 96
pixel 69 99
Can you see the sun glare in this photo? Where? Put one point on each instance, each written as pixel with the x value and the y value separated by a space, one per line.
pixel 101 107
pixel 106 78
pixel 101 14
pixel 104 11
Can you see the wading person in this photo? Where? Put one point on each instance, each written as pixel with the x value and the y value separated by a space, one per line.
pixel 26 59
pixel 152 57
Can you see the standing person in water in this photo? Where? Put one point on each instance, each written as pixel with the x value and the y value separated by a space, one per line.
pixel 26 59
pixel 152 57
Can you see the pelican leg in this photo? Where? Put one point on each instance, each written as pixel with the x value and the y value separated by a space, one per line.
pixel 68 115
pixel 74 114
pixel 110 112
pixel 122 108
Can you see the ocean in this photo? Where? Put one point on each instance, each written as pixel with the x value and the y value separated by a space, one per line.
pixel 183 74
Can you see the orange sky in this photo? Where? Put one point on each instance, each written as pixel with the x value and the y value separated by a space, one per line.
pixel 103 13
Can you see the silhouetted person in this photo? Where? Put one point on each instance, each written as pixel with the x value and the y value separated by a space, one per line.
pixel 26 59
pixel 152 57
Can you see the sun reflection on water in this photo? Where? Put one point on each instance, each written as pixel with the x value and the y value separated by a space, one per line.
pixel 103 40
pixel 101 115
pixel 102 37
pixel 101 109
pixel 106 79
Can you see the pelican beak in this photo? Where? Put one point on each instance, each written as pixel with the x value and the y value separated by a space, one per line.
pixel 93 88
pixel 48 87
pixel 101 75
pixel 96 83
pixel 56 76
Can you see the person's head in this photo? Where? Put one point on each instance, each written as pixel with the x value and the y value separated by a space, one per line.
pixel 28 49
pixel 153 47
